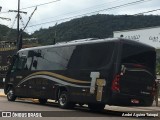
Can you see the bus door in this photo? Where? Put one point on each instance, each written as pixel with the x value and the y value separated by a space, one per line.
pixel 38 88
pixel 16 76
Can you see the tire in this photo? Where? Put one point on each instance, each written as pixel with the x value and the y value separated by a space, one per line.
pixel 63 101
pixel 11 95
pixel 96 107
pixel 42 101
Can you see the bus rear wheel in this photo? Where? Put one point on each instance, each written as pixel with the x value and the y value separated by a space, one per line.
pixel 10 95
pixel 63 101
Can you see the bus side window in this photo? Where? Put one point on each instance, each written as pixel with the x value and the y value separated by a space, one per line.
pixel 14 63
pixel 19 64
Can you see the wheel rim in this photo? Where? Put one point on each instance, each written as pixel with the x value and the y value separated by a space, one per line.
pixel 62 99
pixel 10 94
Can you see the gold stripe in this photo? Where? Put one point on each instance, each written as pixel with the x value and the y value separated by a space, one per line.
pixel 57 76
pixel 100 83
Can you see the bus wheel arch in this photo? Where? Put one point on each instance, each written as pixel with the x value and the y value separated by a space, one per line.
pixel 8 87
pixel 63 98
pixel 59 90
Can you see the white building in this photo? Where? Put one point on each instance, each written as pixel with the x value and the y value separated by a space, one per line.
pixel 150 36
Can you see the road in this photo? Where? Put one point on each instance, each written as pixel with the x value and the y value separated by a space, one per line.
pixel 51 109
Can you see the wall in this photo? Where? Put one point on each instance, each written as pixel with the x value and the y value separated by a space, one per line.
pixel 150 36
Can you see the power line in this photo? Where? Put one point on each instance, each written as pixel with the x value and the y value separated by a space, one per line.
pixel 86 9
pixel 29 18
pixel 147 12
pixel 35 5
pixel 119 6
pixel 93 22
pixel 111 8
pixel 41 4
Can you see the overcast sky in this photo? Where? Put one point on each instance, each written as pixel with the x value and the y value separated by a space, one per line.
pixel 57 11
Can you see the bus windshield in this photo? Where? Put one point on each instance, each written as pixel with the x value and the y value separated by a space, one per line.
pixel 140 55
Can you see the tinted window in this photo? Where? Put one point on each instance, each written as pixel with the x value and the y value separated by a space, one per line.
pixel 52 58
pixel 138 55
pixel 19 63
pixel 92 56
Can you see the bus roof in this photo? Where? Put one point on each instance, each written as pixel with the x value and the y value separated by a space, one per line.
pixel 85 41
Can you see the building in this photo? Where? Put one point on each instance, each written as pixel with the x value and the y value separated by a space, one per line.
pixel 150 36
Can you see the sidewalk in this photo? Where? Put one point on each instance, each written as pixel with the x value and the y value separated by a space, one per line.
pixel 133 108
pixel 1 93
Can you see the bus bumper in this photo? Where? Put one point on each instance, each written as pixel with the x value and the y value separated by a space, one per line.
pixel 121 99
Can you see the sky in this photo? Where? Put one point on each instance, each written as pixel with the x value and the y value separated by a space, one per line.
pixel 51 12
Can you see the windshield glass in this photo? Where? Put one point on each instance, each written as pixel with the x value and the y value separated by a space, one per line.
pixel 140 55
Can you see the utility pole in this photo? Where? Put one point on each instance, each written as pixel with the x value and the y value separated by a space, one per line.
pixel 55 34
pixel 18 18
pixel 18 24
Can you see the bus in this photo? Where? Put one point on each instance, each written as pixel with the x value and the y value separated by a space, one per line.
pixel 7 50
pixel 94 72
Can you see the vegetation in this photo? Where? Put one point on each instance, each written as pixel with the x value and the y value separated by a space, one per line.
pixel 96 26
pixel 7 34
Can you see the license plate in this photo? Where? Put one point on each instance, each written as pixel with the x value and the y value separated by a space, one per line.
pixel 135 101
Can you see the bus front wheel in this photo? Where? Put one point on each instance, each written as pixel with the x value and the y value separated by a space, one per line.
pixel 10 95
pixel 63 100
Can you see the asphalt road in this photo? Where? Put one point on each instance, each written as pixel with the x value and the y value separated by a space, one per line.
pixel 28 107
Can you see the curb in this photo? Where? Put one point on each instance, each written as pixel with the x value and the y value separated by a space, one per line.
pixel 29 99
pixel 2 95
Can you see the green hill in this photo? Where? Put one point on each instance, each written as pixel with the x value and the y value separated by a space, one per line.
pixel 96 26
pixel 8 34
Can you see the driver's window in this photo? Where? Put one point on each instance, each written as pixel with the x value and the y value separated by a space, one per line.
pixel 15 64
pixel 19 63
